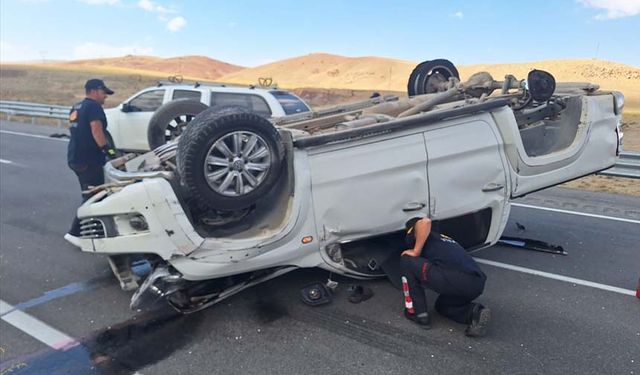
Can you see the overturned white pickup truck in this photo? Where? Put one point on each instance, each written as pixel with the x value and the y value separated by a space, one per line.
pixel 238 199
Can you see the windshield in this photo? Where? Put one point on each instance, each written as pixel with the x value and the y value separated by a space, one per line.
pixel 291 104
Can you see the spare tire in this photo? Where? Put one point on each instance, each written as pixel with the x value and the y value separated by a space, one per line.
pixel 170 120
pixel 427 76
pixel 229 159
pixel 413 78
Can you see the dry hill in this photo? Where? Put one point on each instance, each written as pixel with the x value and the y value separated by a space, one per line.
pixel 326 71
pixel 321 70
pixel 188 66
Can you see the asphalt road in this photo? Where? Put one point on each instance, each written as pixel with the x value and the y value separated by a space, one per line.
pixel 540 324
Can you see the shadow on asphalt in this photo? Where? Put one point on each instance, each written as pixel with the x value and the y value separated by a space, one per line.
pixel 120 349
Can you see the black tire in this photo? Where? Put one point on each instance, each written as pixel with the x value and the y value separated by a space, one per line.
pixel 170 120
pixel 213 128
pixel 413 78
pixel 426 74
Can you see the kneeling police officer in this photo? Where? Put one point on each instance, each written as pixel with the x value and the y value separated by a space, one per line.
pixel 437 262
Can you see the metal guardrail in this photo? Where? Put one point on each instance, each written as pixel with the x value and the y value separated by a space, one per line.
pixel 628 165
pixel 33 110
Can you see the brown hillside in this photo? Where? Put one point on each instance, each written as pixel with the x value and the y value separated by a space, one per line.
pixel 331 71
pixel 326 71
pixel 129 62
pixel 374 73
pixel 188 66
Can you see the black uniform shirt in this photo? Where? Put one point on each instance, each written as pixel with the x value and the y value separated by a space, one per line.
pixel 83 149
pixel 445 252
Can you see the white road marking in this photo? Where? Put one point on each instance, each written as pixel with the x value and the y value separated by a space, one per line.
pixel 36 328
pixel 554 276
pixel 6 161
pixel 34 136
pixel 577 213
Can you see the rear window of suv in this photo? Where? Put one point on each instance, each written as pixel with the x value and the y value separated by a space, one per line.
pixel 186 94
pixel 250 102
pixel 290 103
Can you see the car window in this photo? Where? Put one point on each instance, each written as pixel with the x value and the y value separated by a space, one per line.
pixel 186 94
pixel 250 102
pixel 147 101
pixel 290 103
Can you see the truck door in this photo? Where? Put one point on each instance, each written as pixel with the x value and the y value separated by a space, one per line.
pixel 467 173
pixel 133 123
pixel 363 188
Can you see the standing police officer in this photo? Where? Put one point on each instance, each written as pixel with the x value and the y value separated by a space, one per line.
pixel 437 262
pixel 89 146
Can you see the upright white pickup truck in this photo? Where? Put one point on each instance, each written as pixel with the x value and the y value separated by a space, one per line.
pixel 238 199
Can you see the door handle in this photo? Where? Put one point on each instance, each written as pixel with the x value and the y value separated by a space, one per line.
pixel 492 187
pixel 414 206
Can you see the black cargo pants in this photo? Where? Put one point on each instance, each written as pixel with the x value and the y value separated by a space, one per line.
pixel 88 176
pixel 456 289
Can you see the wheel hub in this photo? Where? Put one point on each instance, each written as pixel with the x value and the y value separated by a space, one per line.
pixel 237 163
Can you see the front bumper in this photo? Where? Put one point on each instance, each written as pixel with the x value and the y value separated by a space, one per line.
pixel 143 217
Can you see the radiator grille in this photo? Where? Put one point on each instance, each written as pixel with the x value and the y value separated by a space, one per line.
pixel 92 228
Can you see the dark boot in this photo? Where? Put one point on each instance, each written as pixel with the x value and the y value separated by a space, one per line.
pixel 480 318
pixel 422 319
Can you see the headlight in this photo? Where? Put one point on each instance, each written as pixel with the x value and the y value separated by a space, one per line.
pixel 129 224
pixel 618 102
pixel 138 222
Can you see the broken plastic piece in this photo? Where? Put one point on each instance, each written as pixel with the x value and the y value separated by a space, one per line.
pixel 529 244
pixel 332 285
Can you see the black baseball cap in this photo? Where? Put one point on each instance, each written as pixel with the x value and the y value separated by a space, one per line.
pixel 97 84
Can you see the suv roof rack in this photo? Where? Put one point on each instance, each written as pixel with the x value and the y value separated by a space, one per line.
pixel 177 80
pixel 188 83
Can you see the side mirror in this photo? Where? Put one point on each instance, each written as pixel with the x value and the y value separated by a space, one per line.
pixel 126 107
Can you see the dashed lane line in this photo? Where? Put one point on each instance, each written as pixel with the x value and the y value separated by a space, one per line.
pixel 36 328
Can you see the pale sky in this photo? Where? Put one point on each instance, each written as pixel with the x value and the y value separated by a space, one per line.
pixel 253 32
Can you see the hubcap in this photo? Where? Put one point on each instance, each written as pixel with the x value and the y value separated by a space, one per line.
pixel 436 79
pixel 237 163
